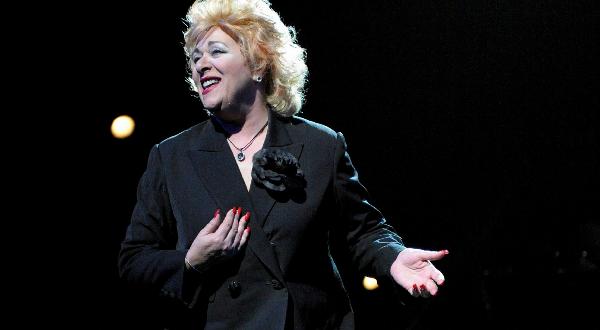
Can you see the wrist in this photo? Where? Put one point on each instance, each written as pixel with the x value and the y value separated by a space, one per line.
pixel 189 266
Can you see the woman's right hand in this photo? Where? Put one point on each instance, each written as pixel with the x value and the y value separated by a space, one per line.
pixel 219 240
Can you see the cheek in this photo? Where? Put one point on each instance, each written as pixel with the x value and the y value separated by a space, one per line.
pixel 195 77
pixel 243 76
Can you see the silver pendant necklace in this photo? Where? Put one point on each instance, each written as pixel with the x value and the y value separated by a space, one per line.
pixel 240 156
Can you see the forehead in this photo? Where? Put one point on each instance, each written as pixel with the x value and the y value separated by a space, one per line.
pixel 215 34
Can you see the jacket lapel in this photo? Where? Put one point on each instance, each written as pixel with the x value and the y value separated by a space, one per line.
pixel 277 138
pixel 216 167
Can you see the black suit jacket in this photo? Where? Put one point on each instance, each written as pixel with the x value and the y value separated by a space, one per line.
pixel 285 276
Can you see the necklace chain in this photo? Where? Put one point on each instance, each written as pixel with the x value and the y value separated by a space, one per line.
pixel 240 155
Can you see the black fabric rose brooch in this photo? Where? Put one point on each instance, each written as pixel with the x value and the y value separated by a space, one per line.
pixel 277 170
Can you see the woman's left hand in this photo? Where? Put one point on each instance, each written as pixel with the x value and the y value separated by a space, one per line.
pixel 414 271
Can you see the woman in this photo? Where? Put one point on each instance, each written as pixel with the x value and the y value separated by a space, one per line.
pixel 254 164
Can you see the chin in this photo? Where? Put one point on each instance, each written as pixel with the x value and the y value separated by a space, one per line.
pixel 211 106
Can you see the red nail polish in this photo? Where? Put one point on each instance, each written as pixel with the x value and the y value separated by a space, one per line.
pixel 217 212
pixel 239 210
pixel 446 251
pixel 233 210
pixel 422 287
pixel 246 216
pixel 247 229
pixel 415 287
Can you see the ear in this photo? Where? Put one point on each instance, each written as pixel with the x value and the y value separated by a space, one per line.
pixel 258 76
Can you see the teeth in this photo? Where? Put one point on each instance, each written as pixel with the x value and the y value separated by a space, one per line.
pixel 210 82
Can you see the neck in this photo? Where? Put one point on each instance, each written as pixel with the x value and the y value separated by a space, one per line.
pixel 245 125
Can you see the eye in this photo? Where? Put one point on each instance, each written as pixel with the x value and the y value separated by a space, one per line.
pixel 216 51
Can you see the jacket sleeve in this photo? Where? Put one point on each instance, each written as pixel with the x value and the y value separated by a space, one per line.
pixel 148 257
pixel 373 244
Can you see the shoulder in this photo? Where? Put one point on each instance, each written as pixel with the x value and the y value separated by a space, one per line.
pixel 181 141
pixel 310 130
pixel 183 138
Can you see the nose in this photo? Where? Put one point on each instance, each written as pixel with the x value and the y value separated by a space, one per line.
pixel 202 65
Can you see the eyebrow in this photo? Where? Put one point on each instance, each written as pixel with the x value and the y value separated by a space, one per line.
pixel 210 43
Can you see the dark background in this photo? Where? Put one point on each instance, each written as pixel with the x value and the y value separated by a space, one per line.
pixel 471 123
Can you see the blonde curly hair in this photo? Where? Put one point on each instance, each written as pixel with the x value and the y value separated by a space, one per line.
pixel 267 44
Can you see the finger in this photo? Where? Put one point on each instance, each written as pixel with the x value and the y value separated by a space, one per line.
pixel 241 226
pixel 226 224
pixel 428 289
pixel 423 291
pixel 437 276
pixel 230 238
pixel 213 224
pixel 244 238
pixel 433 255
pixel 415 291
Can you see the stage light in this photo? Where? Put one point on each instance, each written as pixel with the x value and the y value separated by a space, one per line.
pixel 370 283
pixel 122 127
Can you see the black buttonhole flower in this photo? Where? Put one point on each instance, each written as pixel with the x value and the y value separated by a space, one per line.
pixel 277 170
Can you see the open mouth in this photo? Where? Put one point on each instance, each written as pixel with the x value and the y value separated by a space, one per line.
pixel 208 84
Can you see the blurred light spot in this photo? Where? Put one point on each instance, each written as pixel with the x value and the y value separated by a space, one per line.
pixel 370 283
pixel 122 127
pixel 584 253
